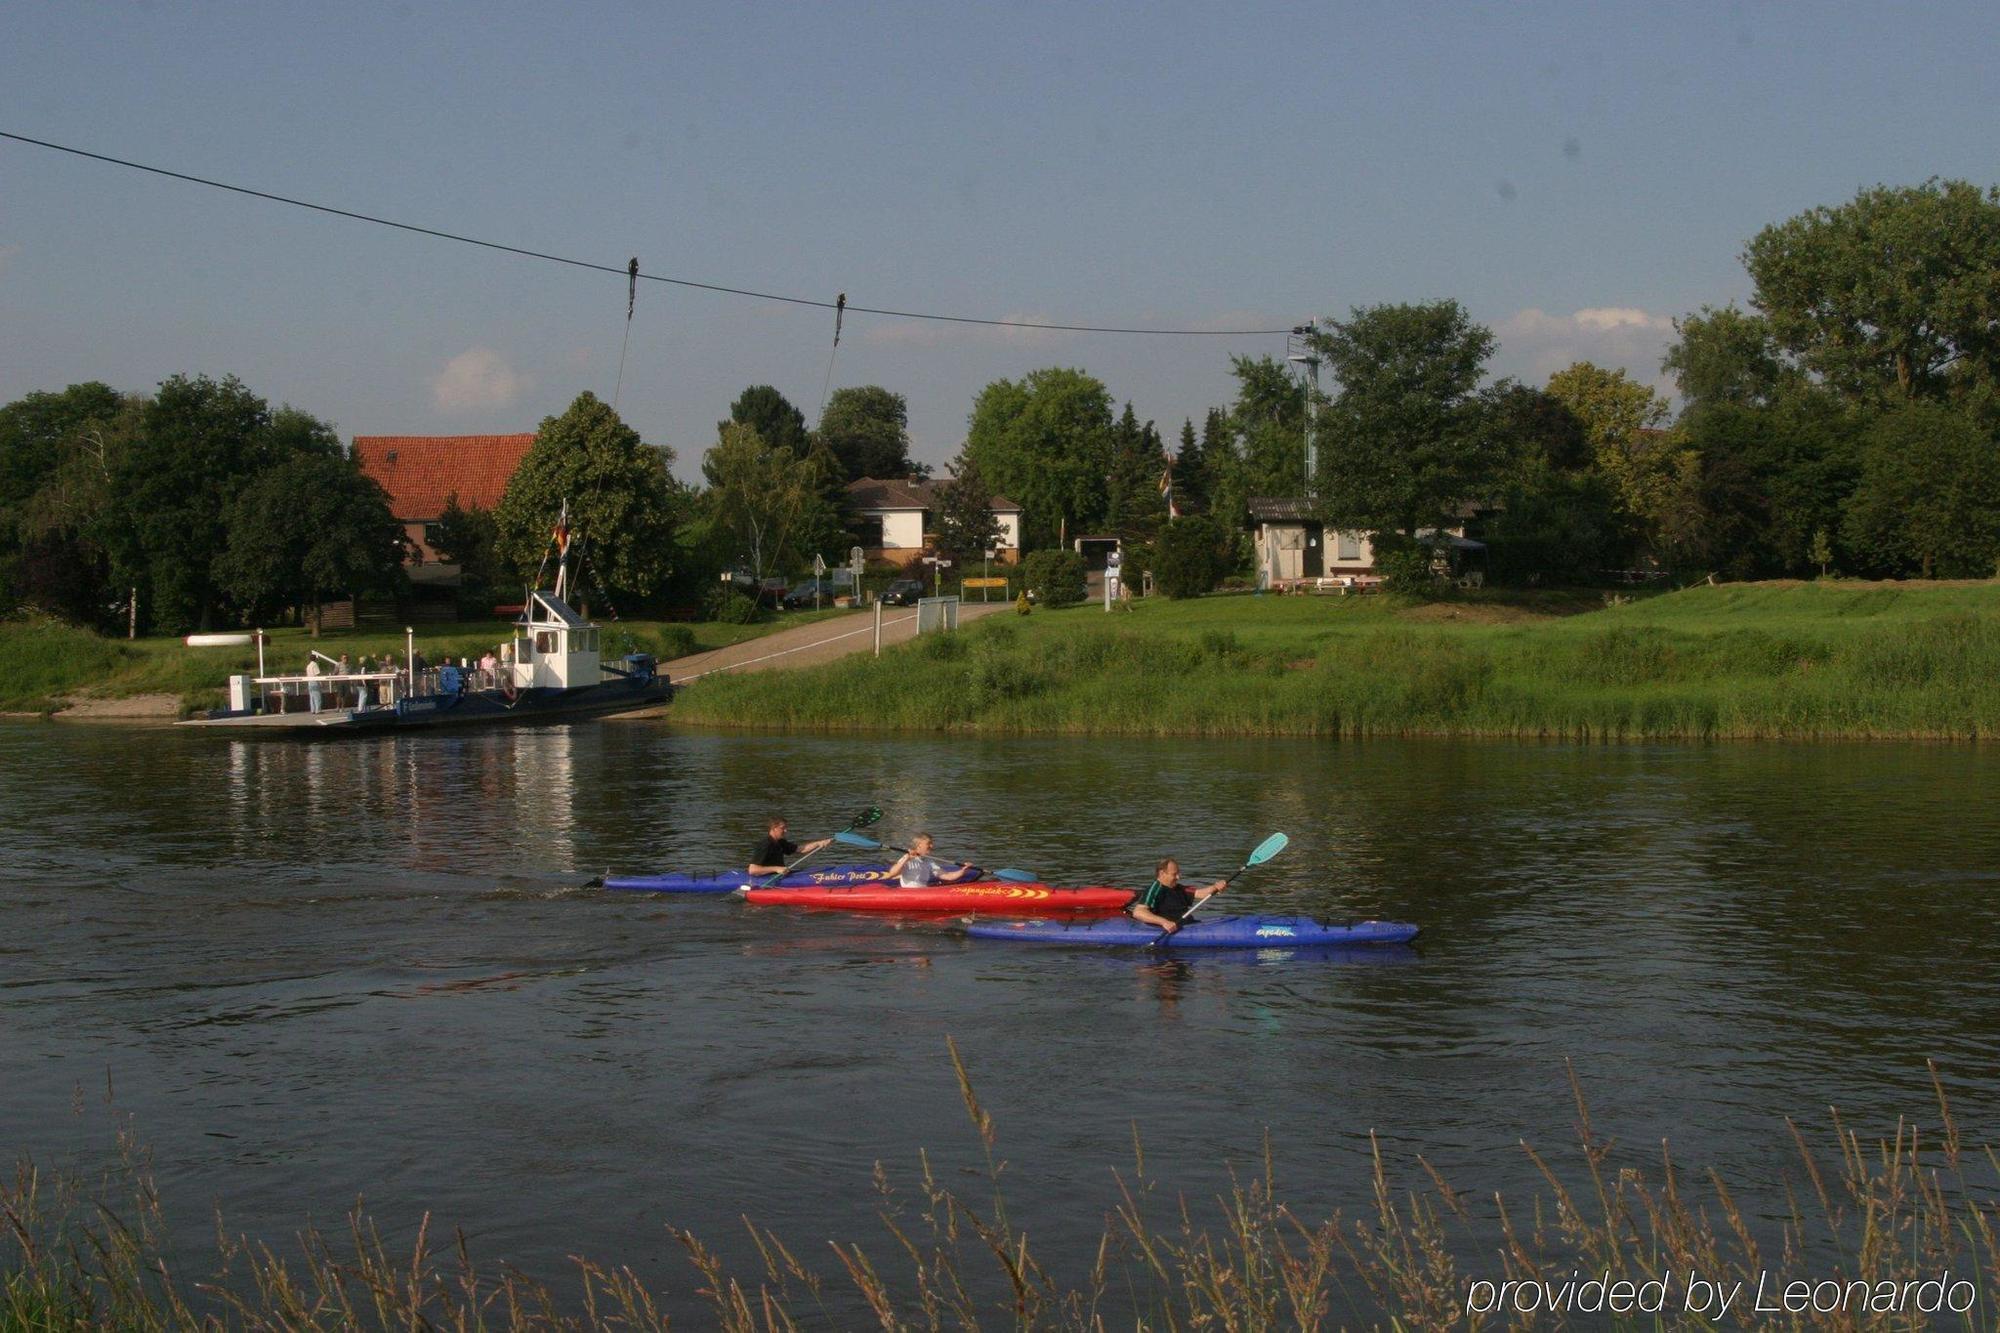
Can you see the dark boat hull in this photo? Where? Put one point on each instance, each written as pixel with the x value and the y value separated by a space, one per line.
pixel 472 708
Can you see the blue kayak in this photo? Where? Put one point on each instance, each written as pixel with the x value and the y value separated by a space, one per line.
pixel 729 881
pixel 1214 932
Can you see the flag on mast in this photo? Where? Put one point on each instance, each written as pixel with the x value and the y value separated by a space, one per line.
pixel 1167 491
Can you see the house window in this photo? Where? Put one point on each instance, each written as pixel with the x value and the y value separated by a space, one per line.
pixel 1347 546
pixel 545 641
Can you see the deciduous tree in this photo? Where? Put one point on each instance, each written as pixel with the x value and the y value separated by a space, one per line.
pixel 305 529
pixel 617 489
pixel 1404 445
pixel 200 443
pixel 1045 442
pixel 1896 291
pixel 1929 497
pixel 868 429
pixel 766 505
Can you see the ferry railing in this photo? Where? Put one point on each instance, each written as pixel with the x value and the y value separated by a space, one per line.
pixel 335 690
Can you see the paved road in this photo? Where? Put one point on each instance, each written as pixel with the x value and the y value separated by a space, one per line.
pixel 821 641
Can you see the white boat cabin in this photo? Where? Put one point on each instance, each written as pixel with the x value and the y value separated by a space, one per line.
pixel 554 647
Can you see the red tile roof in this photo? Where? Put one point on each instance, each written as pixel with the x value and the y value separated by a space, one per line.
pixel 422 472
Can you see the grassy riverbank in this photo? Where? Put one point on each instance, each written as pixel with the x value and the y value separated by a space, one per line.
pixel 1877 1223
pixel 1806 660
pixel 44 663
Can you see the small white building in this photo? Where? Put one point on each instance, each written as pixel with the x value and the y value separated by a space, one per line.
pixel 1293 545
pixel 898 520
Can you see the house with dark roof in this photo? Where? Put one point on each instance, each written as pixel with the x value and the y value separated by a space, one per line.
pixel 422 473
pixel 897 522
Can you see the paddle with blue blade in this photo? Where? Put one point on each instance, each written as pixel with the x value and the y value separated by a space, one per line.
pixel 871 815
pixel 1266 849
pixel 861 840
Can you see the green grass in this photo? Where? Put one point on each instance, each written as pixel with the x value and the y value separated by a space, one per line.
pixel 1790 660
pixel 45 662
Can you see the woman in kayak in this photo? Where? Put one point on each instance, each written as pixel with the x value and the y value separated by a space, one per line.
pixel 769 858
pixel 916 868
pixel 1165 901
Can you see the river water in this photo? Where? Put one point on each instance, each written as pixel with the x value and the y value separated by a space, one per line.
pixel 304 973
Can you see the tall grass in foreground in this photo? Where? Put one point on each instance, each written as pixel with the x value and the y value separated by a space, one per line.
pixel 1899 1210
pixel 1784 664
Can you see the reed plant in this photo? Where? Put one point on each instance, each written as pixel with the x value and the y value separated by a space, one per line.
pixel 1880 1215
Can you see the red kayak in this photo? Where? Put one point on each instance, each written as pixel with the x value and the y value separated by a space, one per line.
pixel 988 898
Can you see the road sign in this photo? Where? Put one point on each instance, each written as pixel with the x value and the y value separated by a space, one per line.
pixel 819 565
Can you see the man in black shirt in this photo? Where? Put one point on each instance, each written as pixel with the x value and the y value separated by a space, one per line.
pixel 769 859
pixel 1165 901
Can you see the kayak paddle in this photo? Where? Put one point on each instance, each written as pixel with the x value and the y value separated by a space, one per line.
pixel 1266 849
pixel 860 840
pixel 871 815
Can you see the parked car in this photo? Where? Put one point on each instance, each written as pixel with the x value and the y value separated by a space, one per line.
pixel 903 592
pixel 802 593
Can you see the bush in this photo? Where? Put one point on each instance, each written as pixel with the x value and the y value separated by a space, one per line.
pixel 1055 577
pixel 727 605
pixel 1193 556
pixel 1405 565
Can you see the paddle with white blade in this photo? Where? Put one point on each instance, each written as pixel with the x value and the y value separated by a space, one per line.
pixel 861 840
pixel 1266 849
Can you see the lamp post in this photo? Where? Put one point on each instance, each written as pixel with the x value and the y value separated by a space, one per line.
pixel 1301 352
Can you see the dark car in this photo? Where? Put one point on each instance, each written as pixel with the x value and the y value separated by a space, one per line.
pixel 802 593
pixel 903 592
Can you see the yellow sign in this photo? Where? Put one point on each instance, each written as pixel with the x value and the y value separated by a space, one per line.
pixel 983 583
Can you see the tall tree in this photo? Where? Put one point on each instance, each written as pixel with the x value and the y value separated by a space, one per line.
pixel 1268 419
pixel 57 455
pixel 200 443
pixel 1134 506
pixel 766 506
pixel 307 528
pixel 1929 497
pixel 772 416
pixel 1045 441
pixel 967 527
pixel 1228 487
pixel 1620 417
pixel 1191 478
pixel 868 430
pixel 617 489
pixel 1403 443
pixel 1897 291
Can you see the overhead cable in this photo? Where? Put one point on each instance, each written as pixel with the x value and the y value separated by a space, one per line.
pixel 624 271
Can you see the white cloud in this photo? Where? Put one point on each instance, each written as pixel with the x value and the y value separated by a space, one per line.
pixel 477 380
pixel 1534 343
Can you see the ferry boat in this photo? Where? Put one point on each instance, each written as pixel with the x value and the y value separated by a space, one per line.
pixel 552 671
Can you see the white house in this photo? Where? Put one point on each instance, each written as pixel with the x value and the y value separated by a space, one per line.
pixel 898 523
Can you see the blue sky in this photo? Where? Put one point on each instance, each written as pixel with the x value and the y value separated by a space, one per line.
pixel 1576 175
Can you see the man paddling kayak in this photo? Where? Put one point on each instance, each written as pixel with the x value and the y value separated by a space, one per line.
pixel 917 869
pixel 769 858
pixel 1165 901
